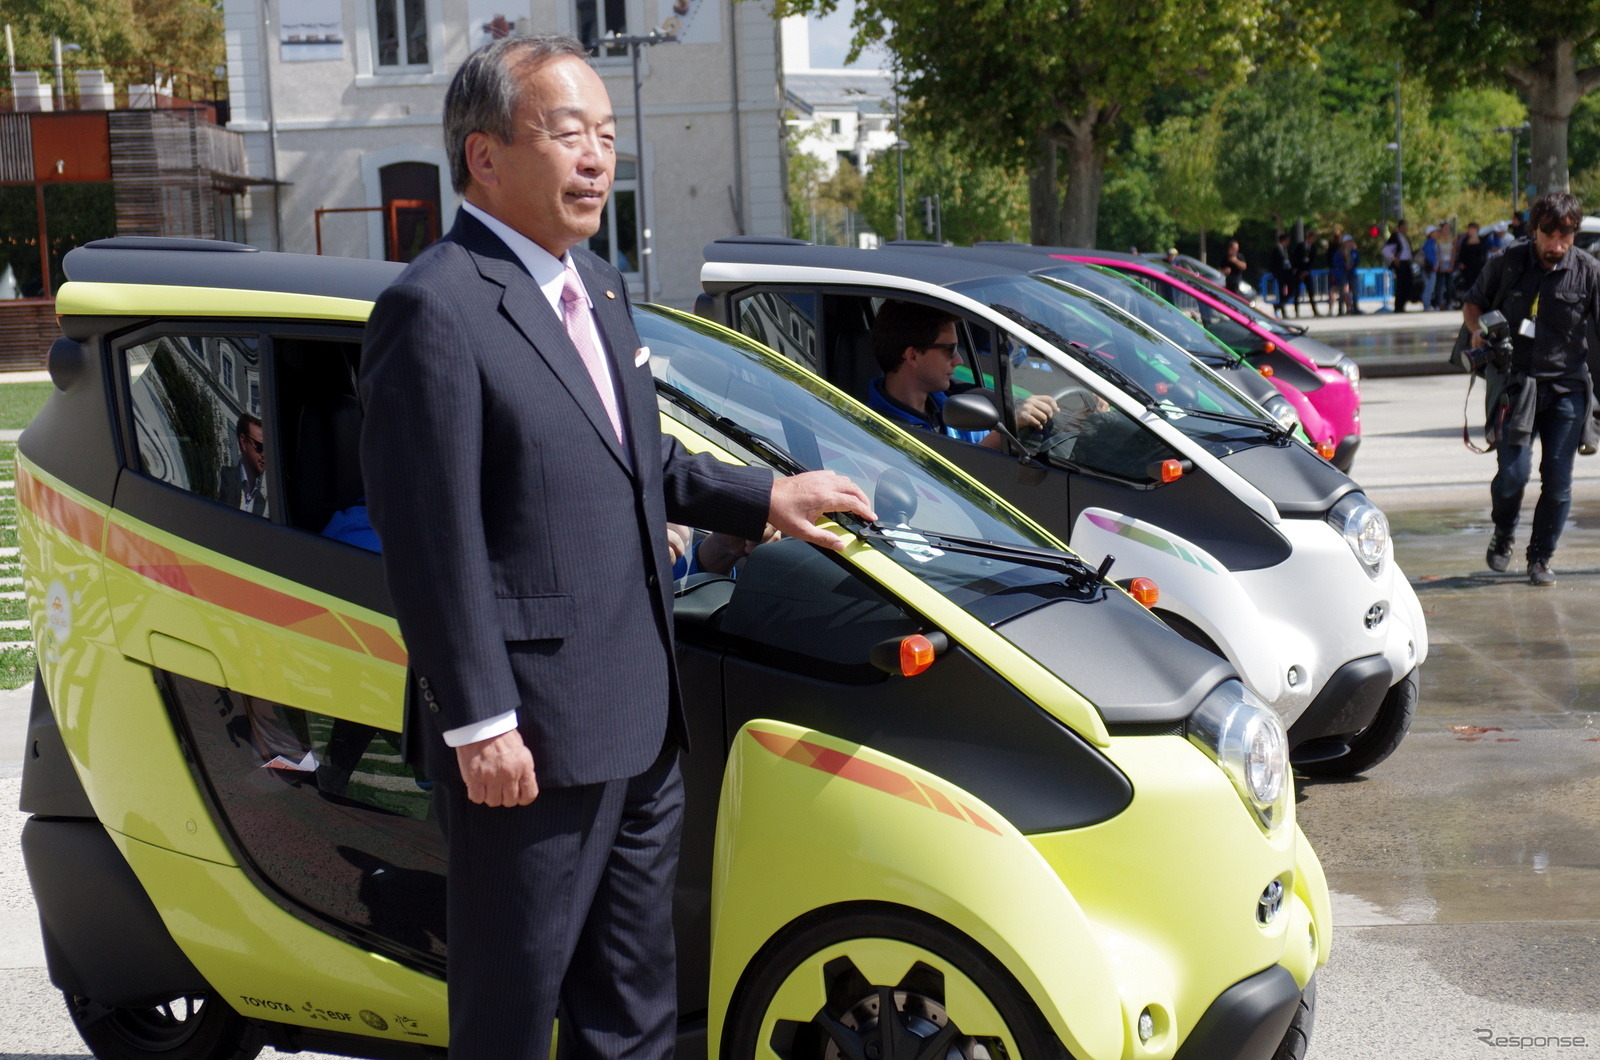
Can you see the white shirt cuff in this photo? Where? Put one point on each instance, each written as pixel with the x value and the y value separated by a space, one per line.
pixel 481 730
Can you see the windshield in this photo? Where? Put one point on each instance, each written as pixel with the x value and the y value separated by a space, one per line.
pixel 704 372
pixel 1229 299
pixel 1130 355
pixel 1138 301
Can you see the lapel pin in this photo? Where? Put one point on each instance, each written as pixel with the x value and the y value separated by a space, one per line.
pixel 610 294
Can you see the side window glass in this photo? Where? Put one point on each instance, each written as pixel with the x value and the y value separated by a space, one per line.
pixel 1088 433
pixel 197 416
pixel 324 810
pixel 786 322
pixel 797 610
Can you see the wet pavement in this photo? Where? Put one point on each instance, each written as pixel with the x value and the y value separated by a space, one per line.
pixel 1466 868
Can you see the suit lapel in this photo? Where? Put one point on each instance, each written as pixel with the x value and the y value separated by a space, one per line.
pixel 635 389
pixel 525 305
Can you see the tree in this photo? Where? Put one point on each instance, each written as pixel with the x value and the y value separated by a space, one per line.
pixel 1026 79
pixel 978 199
pixel 186 34
pixel 1548 51
pixel 1288 156
pixel 1186 175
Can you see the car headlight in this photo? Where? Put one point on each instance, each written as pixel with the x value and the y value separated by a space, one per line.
pixel 1278 408
pixel 1365 529
pixel 1245 738
pixel 1349 369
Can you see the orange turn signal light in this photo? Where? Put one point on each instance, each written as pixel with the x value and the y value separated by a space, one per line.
pixel 1269 347
pixel 1325 450
pixel 1171 470
pixel 1266 370
pixel 1145 591
pixel 916 654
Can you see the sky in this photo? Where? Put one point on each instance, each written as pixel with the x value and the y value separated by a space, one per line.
pixel 830 41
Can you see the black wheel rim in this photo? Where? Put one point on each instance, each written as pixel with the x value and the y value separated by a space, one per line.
pixel 158 1028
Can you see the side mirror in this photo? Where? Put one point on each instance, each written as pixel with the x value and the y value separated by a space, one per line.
pixel 972 410
pixel 894 498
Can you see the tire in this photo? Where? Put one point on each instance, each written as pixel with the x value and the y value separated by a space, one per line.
pixel 1297 1039
pixel 187 1027
pixel 1378 740
pixel 810 995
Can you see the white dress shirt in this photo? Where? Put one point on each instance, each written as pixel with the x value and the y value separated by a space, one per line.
pixel 550 273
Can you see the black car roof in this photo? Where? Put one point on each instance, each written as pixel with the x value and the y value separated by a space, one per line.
pixel 234 266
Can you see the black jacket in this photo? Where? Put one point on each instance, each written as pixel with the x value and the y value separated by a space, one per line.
pixel 524 549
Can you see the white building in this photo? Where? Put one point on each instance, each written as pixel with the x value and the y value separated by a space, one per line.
pixel 841 113
pixel 346 110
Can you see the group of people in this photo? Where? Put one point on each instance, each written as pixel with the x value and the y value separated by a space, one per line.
pixel 1440 272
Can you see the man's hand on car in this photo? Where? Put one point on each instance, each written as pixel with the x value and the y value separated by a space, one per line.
pixel 798 500
pixel 1036 412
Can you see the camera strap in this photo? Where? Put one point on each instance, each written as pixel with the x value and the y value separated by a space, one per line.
pixel 1466 430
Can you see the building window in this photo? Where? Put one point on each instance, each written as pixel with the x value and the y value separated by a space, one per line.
pixel 596 18
pixel 618 238
pixel 402 32
pixel 834 126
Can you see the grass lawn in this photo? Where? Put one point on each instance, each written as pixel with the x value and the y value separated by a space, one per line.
pixel 16 645
pixel 20 402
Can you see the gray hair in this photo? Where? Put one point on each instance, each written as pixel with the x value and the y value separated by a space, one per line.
pixel 483 94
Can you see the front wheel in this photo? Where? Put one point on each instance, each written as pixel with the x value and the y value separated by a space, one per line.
pixel 187 1027
pixel 1378 740
pixel 1298 1037
pixel 885 984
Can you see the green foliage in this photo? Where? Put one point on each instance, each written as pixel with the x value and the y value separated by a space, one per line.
pixel 978 199
pixel 186 34
pixel 1288 156
pixel 1190 151
pixel 1134 212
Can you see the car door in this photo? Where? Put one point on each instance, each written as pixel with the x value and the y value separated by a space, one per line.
pixel 271 643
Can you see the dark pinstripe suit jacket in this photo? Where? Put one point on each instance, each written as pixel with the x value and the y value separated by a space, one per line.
pixel 524 549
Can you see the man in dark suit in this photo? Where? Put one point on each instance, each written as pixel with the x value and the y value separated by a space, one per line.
pixel 244 485
pixel 517 478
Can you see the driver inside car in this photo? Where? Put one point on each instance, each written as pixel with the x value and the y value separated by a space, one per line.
pixel 916 347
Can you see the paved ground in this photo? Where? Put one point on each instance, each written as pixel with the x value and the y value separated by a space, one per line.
pixel 1466 870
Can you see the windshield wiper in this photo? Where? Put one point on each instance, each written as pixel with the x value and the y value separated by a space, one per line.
pixel 1272 427
pixel 1078 573
pixel 1095 364
pixel 771 451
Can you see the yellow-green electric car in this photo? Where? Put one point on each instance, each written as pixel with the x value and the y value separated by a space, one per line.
pixel 953 792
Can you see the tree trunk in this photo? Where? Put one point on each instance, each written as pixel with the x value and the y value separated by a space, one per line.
pixel 1086 164
pixel 1551 88
pixel 1203 246
pixel 1044 200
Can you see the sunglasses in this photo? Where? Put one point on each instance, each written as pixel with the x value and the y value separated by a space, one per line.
pixel 948 347
pixel 252 443
pixel 1558 230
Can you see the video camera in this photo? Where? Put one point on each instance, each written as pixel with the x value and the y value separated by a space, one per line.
pixel 1497 342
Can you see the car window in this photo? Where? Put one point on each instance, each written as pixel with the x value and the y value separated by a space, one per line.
pixel 1214 320
pixel 196 403
pixel 1088 433
pixel 737 387
pixel 1138 301
pixel 787 322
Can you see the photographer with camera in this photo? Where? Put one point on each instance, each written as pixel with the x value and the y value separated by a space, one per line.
pixel 1535 363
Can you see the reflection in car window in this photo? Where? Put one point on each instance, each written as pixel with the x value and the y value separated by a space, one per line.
pixel 798 412
pixel 325 811
pixel 197 416
pixel 786 322
pixel 1137 300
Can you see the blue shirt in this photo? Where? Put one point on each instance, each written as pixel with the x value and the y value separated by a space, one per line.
pixel 885 405
pixel 353 528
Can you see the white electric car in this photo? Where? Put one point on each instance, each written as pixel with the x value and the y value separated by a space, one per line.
pixel 1262 550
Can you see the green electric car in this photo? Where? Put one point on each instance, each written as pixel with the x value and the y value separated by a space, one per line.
pixel 954 793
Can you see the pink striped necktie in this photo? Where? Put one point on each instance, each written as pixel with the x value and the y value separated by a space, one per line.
pixel 580 329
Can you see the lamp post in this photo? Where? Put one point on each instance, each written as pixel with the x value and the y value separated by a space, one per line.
pixel 61 78
pixel 633 42
pixel 900 146
pixel 1516 177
